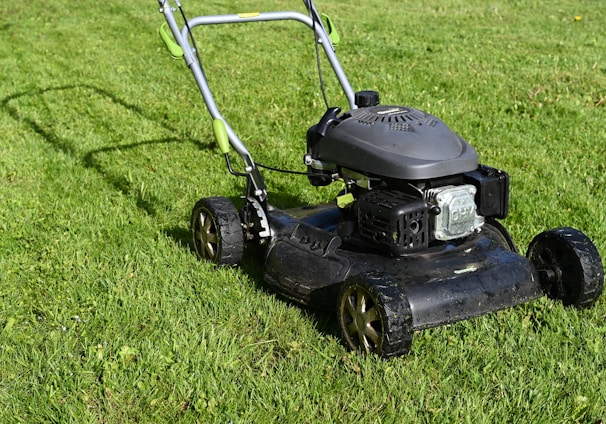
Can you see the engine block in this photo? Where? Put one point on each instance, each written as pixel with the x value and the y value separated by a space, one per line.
pixel 458 217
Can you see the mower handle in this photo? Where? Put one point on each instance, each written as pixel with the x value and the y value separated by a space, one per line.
pixel 181 36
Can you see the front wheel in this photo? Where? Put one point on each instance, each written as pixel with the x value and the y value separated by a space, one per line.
pixel 216 231
pixel 569 266
pixel 374 315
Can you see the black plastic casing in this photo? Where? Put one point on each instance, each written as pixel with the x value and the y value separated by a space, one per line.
pixel 394 220
pixel 492 196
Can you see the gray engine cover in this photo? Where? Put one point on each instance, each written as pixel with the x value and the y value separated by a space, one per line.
pixel 397 142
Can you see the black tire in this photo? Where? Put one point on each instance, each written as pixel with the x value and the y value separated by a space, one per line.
pixel 374 315
pixel 569 266
pixel 216 231
pixel 499 234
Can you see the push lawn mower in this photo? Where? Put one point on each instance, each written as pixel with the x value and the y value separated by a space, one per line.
pixel 413 241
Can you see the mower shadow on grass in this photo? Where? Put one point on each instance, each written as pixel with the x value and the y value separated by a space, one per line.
pixel 147 202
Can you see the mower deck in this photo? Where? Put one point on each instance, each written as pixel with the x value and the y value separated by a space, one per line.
pixel 307 262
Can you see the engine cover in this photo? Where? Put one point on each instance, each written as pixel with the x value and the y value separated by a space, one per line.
pixel 396 142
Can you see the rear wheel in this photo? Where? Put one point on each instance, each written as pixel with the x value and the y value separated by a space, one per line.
pixel 569 266
pixel 216 230
pixel 374 315
pixel 499 233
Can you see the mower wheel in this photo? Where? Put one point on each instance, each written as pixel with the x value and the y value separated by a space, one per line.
pixel 498 233
pixel 217 231
pixel 374 315
pixel 569 266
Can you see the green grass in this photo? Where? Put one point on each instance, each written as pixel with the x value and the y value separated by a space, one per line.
pixel 105 314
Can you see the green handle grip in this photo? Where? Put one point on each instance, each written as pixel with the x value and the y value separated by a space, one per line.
pixel 174 49
pixel 221 135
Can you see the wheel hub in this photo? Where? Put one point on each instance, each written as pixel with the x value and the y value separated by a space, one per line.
pixel 207 235
pixel 550 275
pixel 362 314
pixel 360 323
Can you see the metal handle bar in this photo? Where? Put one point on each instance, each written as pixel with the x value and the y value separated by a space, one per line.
pixel 284 16
pixel 181 36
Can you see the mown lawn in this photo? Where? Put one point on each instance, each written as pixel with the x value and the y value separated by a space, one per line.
pixel 106 315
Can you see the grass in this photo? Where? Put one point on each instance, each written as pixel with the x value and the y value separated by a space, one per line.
pixel 106 316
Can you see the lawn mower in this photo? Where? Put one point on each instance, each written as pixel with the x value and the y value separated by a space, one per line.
pixel 413 240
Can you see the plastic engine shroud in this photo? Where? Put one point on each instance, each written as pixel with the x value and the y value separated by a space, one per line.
pixel 396 142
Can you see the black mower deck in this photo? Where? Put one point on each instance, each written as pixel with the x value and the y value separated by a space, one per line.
pixel 307 262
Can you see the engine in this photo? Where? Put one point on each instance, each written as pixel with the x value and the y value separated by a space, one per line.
pixel 404 221
pixel 410 181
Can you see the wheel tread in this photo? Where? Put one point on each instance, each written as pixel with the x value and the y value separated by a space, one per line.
pixel 230 243
pixel 587 255
pixel 393 309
